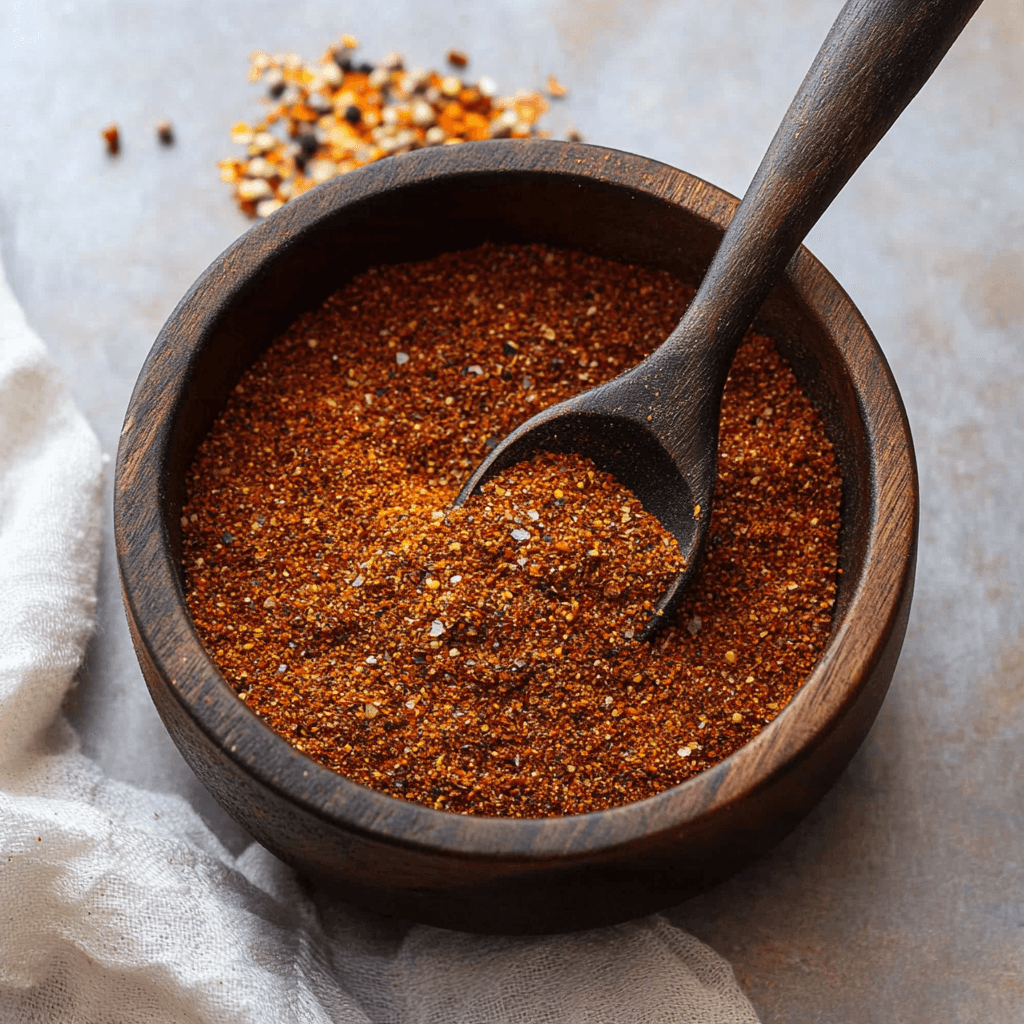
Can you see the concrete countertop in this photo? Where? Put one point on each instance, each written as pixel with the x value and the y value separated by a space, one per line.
pixel 901 897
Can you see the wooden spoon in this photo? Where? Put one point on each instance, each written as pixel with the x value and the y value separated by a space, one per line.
pixel 655 427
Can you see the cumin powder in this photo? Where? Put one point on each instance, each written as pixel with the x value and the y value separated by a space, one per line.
pixel 482 660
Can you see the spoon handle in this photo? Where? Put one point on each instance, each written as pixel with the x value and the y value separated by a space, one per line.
pixel 876 57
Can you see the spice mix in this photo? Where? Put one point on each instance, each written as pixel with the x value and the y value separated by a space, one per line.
pixel 484 660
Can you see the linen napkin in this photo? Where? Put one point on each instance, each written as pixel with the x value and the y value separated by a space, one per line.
pixel 119 904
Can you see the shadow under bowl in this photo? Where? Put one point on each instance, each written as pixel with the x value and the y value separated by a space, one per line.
pixel 493 874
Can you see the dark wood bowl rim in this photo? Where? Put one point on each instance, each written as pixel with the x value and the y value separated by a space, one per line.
pixel 148 573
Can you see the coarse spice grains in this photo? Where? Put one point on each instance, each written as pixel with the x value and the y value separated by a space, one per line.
pixel 323 120
pixel 482 660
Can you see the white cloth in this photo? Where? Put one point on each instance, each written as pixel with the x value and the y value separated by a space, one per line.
pixel 118 904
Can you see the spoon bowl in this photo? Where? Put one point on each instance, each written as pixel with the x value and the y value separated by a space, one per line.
pixel 622 427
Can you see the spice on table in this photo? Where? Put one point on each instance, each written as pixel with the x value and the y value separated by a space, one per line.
pixel 112 137
pixel 323 120
pixel 483 660
pixel 555 87
pixel 165 132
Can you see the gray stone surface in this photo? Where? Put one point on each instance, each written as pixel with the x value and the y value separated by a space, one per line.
pixel 901 897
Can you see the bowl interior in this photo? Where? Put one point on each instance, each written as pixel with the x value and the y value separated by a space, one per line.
pixel 456 212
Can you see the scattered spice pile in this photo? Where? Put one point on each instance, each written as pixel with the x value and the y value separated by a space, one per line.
pixel 482 660
pixel 341 114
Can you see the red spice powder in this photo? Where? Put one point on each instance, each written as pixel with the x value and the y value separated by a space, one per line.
pixel 482 660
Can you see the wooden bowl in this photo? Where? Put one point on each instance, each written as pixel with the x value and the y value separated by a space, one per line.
pixel 492 874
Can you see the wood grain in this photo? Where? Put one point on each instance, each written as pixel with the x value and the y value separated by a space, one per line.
pixel 484 874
